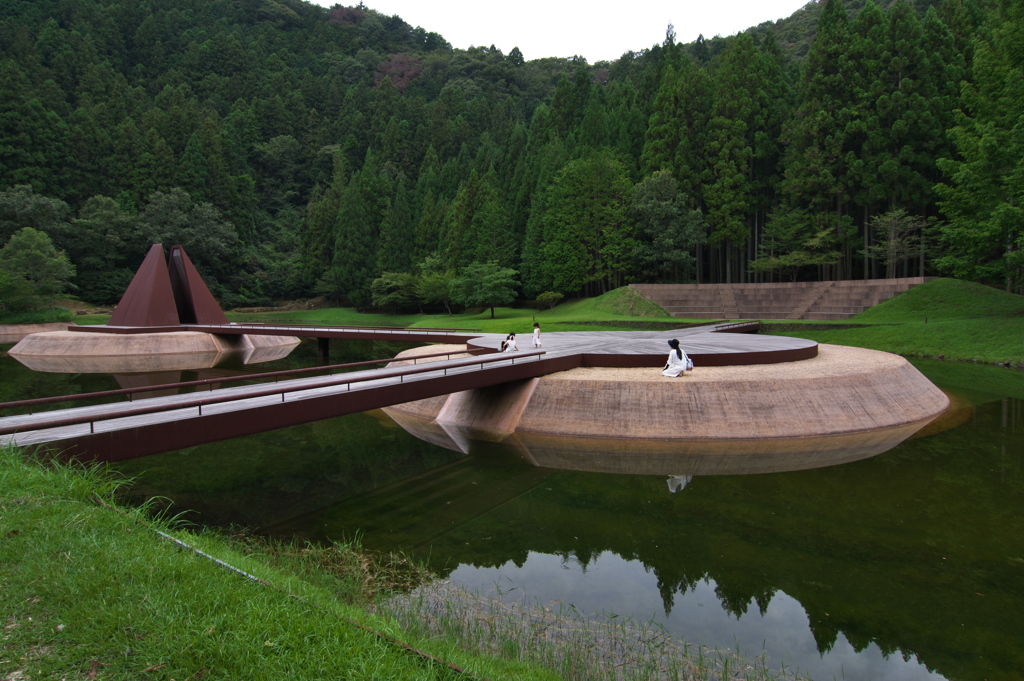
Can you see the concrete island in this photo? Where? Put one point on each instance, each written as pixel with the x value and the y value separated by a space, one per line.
pixel 841 404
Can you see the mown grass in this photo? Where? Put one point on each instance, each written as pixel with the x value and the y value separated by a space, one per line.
pixel 49 315
pixel 621 305
pixel 943 318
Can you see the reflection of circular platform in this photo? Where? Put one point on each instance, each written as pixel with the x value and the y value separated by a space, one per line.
pixel 782 416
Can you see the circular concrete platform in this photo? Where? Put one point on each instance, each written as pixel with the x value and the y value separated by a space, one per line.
pixel 706 345
pixel 844 404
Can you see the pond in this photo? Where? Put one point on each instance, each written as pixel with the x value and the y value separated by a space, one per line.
pixel 907 565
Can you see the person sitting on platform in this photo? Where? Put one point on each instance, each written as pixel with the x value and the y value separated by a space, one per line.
pixel 510 344
pixel 678 362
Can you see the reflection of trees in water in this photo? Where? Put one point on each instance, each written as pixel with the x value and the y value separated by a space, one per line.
pixel 275 476
pixel 20 383
pixel 917 551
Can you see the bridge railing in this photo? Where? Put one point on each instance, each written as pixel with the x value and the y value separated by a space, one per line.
pixel 211 382
pixel 738 327
pixel 92 419
pixel 338 327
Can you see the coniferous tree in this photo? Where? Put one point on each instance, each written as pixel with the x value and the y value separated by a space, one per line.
pixel 356 242
pixel 588 243
pixel 397 240
pixel 739 99
pixel 695 96
pixel 322 223
pixel 818 174
pixel 984 197
pixel 192 172
pixel 667 230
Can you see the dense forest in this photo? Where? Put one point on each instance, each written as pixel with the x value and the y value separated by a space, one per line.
pixel 296 150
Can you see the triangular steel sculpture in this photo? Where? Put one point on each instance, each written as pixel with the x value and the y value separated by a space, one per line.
pixel 167 291
pixel 195 303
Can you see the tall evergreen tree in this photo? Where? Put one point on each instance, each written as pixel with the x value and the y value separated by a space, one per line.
pixel 588 243
pixel 322 224
pixel 984 198
pixel 818 174
pixel 739 98
pixel 355 247
pixel 397 240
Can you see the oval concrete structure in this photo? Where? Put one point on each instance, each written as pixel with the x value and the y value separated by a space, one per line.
pixel 72 352
pixel 843 405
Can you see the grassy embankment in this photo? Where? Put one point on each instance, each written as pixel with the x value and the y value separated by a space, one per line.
pixel 91 591
pixel 622 308
pixel 944 318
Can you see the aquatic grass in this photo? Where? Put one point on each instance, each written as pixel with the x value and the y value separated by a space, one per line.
pixel 602 647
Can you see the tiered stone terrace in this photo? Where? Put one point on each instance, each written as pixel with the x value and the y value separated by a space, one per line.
pixel 823 300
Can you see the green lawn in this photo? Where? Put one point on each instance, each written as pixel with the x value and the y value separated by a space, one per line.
pixel 621 305
pixel 944 318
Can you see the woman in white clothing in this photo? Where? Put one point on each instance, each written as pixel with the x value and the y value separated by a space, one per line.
pixel 510 343
pixel 536 335
pixel 678 362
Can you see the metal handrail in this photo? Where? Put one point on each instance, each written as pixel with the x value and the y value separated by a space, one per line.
pixel 736 325
pixel 200 403
pixel 342 327
pixel 80 397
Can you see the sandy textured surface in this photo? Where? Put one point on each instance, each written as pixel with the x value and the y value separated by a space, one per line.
pixel 832 360
pixel 842 390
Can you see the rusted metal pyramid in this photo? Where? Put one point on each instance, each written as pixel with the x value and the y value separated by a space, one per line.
pixel 167 291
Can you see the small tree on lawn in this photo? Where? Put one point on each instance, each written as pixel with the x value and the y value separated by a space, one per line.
pixel 485 284
pixel 550 299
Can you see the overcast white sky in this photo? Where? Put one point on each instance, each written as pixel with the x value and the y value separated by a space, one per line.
pixel 598 30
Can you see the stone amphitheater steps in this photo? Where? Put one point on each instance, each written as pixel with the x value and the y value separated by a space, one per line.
pixel 818 300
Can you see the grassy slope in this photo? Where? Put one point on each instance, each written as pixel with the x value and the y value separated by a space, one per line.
pixel 943 318
pixel 88 591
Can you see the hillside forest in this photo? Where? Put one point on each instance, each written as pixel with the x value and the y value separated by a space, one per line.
pixel 296 150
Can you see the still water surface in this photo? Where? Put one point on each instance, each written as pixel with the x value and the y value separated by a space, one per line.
pixel 908 565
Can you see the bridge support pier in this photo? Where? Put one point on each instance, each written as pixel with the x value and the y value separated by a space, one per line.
pixel 323 350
